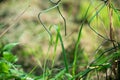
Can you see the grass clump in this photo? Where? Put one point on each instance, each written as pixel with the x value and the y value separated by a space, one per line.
pixel 73 65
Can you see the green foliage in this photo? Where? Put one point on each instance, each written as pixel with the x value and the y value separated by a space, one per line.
pixel 9 47
pixel 95 11
pixel 8 69
pixel 9 57
pixel 4 68
pixel 63 49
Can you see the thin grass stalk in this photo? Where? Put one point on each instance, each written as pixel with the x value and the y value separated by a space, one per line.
pixel 44 70
pixel 55 48
pixel 112 36
pixel 116 11
pixel 14 21
pixel 96 13
pixel 63 50
pixel 78 41
pixel 111 23
pixel 82 74
pixel 31 71
pixel 108 50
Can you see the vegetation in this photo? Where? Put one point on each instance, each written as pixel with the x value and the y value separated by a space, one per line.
pixel 82 44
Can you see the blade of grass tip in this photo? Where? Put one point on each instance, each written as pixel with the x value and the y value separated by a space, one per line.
pixel 63 49
pixel 77 43
pixel 10 46
pixel 51 39
pixel 55 48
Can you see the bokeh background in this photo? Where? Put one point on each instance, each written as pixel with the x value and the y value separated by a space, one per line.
pixel 19 23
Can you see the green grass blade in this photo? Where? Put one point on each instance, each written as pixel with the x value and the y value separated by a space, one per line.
pixel 77 43
pixel 9 46
pixel 82 74
pixel 55 48
pixel 116 11
pixel 63 49
pixel 62 72
pixel 101 60
pixel 96 13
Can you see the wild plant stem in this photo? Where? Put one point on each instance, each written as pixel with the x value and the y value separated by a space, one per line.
pixel 111 23
pixel 63 50
pixel 77 43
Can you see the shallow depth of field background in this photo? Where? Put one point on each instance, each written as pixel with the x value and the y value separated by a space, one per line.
pixel 19 23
